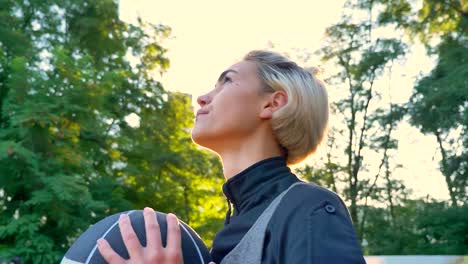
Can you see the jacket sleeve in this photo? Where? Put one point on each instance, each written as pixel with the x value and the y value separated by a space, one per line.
pixel 331 235
pixel 323 234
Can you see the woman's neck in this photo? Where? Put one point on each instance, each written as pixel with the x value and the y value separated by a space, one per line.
pixel 240 156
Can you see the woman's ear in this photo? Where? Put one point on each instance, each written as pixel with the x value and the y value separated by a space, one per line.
pixel 274 102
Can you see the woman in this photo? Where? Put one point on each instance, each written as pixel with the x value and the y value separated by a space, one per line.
pixel 264 114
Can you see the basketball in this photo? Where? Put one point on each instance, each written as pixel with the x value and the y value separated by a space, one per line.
pixel 84 250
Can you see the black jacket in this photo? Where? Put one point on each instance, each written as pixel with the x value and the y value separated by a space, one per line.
pixel 311 224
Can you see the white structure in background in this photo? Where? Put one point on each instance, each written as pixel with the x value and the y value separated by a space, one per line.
pixel 417 259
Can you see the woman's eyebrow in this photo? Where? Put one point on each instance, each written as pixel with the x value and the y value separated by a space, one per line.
pixel 224 74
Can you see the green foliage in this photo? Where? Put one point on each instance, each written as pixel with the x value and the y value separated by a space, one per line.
pixel 438 105
pixel 440 95
pixel 72 76
pixel 426 20
pixel 361 59
pixel 417 227
pixel 445 232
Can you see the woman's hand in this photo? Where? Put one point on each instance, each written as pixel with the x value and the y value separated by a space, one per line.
pixel 154 252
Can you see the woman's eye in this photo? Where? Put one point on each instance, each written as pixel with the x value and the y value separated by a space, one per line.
pixel 227 79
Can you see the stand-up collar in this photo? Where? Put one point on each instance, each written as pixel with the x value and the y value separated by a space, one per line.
pixel 263 180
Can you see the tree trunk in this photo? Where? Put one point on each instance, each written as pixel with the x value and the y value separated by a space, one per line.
pixel 445 171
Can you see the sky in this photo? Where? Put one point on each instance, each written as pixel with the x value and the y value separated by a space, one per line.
pixel 210 35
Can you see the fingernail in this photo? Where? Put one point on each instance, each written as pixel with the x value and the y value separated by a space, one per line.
pixel 99 242
pixel 173 217
pixel 124 217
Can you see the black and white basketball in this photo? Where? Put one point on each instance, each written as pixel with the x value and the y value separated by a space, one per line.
pixel 84 250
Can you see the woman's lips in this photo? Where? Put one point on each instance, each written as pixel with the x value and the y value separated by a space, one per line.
pixel 201 112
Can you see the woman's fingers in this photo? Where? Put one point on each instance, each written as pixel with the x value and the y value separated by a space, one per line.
pixel 130 239
pixel 108 253
pixel 173 246
pixel 154 252
pixel 153 232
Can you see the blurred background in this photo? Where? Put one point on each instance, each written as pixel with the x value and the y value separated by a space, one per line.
pixel 97 101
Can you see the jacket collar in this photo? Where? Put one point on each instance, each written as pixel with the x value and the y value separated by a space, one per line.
pixel 258 182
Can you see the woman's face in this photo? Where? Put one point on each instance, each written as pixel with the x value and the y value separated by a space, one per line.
pixel 230 112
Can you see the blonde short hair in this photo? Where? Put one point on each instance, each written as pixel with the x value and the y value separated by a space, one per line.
pixel 300 125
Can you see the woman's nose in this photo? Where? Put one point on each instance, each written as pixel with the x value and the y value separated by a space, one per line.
pixel 203 100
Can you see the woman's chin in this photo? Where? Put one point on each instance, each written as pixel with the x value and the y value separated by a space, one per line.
pixel 202 139
pixel 198 136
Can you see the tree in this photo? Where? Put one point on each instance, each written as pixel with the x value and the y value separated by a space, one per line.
pixel 326 174
pixel 86 130
pixel 439 102
pixel 387 219
pixel 421 226
pixel 361 59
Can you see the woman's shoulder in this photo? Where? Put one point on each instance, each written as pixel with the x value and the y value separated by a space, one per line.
pixel 311 196
pixel 306 202
pixel 309 221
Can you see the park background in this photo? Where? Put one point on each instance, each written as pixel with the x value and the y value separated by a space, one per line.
pixel 97 101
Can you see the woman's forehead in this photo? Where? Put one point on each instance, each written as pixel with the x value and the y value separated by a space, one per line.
pixel 243 68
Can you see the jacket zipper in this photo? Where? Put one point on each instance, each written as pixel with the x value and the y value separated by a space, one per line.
pixel 228 213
